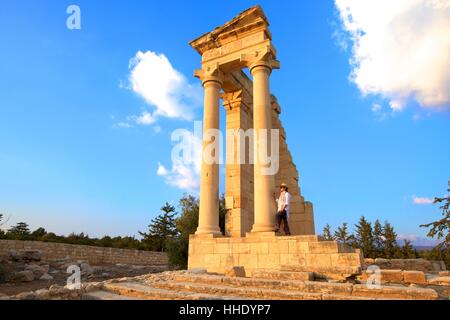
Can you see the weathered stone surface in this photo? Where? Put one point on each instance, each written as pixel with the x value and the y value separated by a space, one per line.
pixel 235 271
pixel 395 292
pixel 283 275
pixel 21 276
pixel 46 277
pixel 86 269
pixel 416 277
pixel 444 274
pixel 42 294
pixel 38 271
pixel 409 265
pixel 394 276
pixel 441 281
pixel 66 253
pixel 26 296
pixel 25 255
pixel 197 271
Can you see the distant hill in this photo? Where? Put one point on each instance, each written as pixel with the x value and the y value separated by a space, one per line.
pixel 424 248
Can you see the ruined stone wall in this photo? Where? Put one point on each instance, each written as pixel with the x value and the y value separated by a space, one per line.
pixel 239 177
pixel 93 255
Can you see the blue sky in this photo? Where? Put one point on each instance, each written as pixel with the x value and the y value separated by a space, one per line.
pixel 75 157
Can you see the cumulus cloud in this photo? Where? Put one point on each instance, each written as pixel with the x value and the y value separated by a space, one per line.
pixel 400 49
pixel 376 107
pixel 146 118
pixel 186 162
pixel 153 77
pixel 422 201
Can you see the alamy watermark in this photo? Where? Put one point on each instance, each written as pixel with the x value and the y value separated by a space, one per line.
pixel 74 280
pixel 73 22
pixel 240 147
pixel 374 280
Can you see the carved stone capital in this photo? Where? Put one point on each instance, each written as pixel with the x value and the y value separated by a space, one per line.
pixel 265 58
pixel 236 99
pixel 210 73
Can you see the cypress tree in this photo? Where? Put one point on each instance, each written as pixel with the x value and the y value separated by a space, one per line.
pixel 342 234
pixel 364 237
pixel 161 229
pixel 327 233
pixel 391 249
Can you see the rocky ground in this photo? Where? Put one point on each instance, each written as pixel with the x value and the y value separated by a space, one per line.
pixel 26 271
pixel 25 276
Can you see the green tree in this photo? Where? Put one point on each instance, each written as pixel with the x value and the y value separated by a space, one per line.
pixel 364 237
pixel 187 224
pixel 161 230
pixel 20 231
pixel 408 251
pixel 107 242
pixel 378 241
pixel 441 228
pixel 342 234
pixel 37 234
pixel 391 249
pixel 2 233
pixel 327 233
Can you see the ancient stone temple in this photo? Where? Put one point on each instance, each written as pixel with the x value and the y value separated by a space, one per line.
pixel 245 42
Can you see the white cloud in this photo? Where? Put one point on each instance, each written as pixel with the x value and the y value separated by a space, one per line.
pixel 376 107
pixel 400 49
pixel 153 77
pixel 422 201
pixel 123 125
pixel 157 129
pixel 145 119
pixel 186 167
pixel 162 171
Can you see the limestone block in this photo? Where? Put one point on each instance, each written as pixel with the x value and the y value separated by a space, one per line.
pixel 324 247
pixel 248 261
pixel 319 260
pixel 346 259
pixel 259 248
pixel 235 272
pixel 203 248
pixel 288 259
pixel 211 260
pixel 395 276
pixel 269 261
pixel 223 248
pixel 440 281
pixel 416 277
pixel 303 247
pixel 444 274
pixel 240 248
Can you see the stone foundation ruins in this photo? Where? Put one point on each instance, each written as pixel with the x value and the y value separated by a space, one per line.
pixel 250 240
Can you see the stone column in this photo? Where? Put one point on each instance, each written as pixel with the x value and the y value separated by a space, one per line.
pixel 262 119
pixel 209 182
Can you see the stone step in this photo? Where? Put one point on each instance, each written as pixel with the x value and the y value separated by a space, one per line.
pixel 142 291
pixel 395 292
pixel 105 295
pixel 283 275
pixel 335 273
pixel 344 289
pixel 255 293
